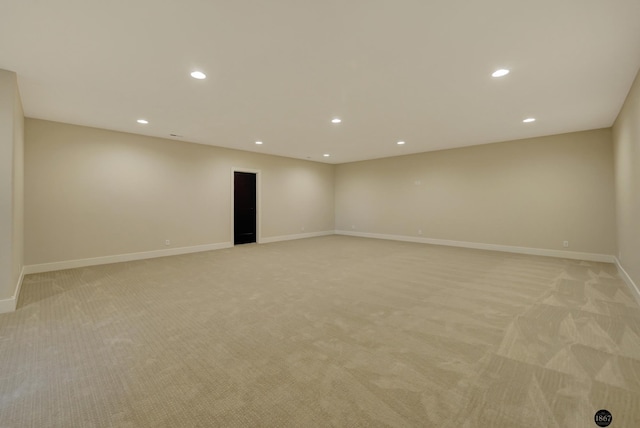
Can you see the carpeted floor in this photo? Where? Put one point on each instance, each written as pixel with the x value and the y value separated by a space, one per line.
pixel 332 331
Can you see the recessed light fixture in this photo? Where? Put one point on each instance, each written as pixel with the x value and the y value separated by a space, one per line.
pixel 336 120
pixel 142 121
pixel 259 143
pixel 326 155
pixel 501 72
pixel 198 75
pixel 400 143
pixel 529 120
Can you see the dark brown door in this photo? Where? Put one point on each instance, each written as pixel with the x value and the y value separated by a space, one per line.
pixel 244 207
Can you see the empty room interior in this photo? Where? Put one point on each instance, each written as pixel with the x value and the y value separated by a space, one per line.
pixel 311 214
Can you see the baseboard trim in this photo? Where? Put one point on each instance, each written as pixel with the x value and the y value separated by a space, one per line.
pixel 94 261
pixel 10 304
pixel 635 290
pixel 296 236
pixel 118 258
pixel 7 305
pixel 605 258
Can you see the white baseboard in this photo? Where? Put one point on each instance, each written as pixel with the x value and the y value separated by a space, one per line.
pixel 9 305
pixel 635 290
pixel 72 264
pixel 94 261
pixel 296 236
pixel 605 258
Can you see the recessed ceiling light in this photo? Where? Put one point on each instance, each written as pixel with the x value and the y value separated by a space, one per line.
pixel 400 143
pixel 529 120
pixel 258 142
pixel 336 120
pixel 142 121
pixel 198 75
pixel 500 72
pixel 326 155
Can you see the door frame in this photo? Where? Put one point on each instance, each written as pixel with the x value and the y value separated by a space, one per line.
pixel 257 172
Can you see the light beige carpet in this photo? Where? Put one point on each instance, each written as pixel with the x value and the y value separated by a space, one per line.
pixel 332 331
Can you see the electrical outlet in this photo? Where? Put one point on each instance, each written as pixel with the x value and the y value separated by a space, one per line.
pixel 303 228
pixel 419 231
pixel 353 226
pixel 167 242
pixel 565 244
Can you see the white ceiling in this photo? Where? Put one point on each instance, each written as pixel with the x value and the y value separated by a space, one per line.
pixel 279 71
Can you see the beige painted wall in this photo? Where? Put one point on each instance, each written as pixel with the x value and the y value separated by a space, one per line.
pixel 92 193
pixel 11 187
pixel 528 193
pixel 626 139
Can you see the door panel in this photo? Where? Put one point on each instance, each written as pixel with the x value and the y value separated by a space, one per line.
pixel 244 207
